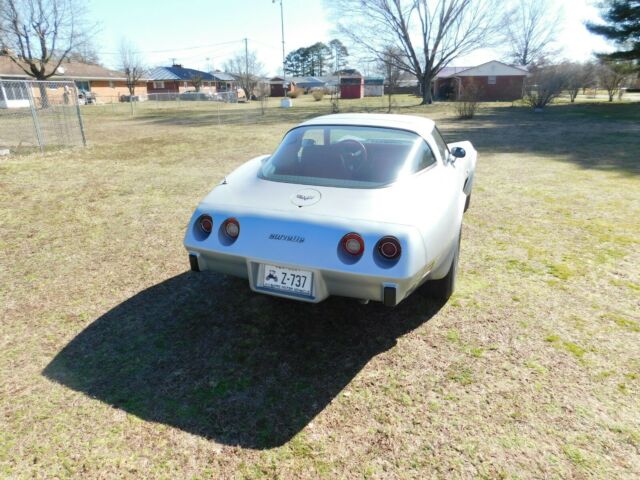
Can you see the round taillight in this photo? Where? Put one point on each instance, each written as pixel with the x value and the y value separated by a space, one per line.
pixel 206 224
pixel 389 248
pixel 353 244
pixel 232 228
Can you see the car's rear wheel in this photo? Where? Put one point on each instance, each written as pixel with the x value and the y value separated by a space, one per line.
pixel 444 287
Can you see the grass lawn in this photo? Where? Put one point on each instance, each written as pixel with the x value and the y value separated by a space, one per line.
pixel 116 361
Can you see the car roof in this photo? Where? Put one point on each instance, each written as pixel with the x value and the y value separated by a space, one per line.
pixel 420 125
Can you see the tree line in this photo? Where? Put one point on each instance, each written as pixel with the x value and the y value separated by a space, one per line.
pixel 404 37
pixel 317 60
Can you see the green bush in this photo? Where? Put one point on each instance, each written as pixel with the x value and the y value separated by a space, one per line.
pixel 317 95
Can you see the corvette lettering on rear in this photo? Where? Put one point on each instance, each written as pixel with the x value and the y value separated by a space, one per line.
pixel 286 238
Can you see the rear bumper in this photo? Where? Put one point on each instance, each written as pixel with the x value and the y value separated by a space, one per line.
pixel 389 290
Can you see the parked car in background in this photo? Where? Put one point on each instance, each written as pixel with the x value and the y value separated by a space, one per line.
pixel 86 97
pixel 201 95
pixel 357 205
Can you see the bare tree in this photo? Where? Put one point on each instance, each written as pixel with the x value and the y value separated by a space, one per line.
pixel 196 80
pixel 578 76
pixel 388 67
pixel 612 76
pixel 530 31
pixel 246 67
pixel 544 85
pixel 262 91
pixel 468 100
pixel 86 53
pixel 131 64
pixel 428 34
pixel 39 35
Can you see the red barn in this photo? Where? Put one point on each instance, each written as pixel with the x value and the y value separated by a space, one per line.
pixel 352 86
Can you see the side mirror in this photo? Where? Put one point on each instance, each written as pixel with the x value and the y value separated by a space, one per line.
pixel 458 152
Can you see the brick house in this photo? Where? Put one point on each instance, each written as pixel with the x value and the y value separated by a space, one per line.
pixel 177 79
pixel 495 80
pixel 107 85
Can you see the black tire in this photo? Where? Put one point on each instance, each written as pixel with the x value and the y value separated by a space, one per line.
pixel 467 202
pixel 443 289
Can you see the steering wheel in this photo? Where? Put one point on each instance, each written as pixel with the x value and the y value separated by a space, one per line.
pixel 352 153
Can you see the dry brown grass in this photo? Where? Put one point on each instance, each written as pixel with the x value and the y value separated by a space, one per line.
pixel 117 362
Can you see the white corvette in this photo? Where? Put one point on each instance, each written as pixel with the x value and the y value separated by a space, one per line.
pixel 358 205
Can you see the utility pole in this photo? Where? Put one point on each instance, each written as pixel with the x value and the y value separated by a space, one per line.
pixel 246 70
pixel 246 58
pixel 284 75
pixel 285 102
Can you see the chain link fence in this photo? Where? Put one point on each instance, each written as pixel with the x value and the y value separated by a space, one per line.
pixel 39 115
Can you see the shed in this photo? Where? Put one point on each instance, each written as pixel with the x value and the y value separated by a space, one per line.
pixel 373 86
pixel 277 87
pixel 351 86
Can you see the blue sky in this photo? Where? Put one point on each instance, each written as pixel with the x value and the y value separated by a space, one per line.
pixel 196 30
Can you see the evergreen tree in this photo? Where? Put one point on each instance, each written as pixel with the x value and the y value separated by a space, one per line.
pixel 314 60
pixel 622 26
pixel 339 55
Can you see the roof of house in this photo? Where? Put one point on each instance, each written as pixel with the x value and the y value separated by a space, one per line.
pixel 494 68
pixel 68 70
pixel 450 71
pixel 223 77
pixel 280 81
pixel 177 72
pixel 308 81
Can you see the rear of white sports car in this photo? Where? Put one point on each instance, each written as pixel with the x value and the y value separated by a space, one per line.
pixel 318 218
pixel 307 257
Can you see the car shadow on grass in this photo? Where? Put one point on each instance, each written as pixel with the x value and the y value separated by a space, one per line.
pixel 202 353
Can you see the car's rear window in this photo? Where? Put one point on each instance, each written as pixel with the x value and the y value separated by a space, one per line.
pixel 347 156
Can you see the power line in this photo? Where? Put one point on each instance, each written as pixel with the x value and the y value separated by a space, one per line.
pixel 176 49
pixel 274 47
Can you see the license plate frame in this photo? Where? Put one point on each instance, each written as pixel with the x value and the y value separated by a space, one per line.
pixel 287 280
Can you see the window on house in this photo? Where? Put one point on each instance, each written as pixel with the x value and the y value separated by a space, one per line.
pixel 82 85
pixel 158 84
pixel 110 83
pixel 492 80
pixel 13 91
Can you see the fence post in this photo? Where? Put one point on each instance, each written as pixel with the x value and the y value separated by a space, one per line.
pixel 79 113
pixel 34 115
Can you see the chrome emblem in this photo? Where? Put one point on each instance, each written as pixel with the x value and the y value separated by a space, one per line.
pixel 305 197
pixel 286 238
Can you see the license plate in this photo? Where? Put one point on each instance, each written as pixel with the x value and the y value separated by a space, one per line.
pixel 287 280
